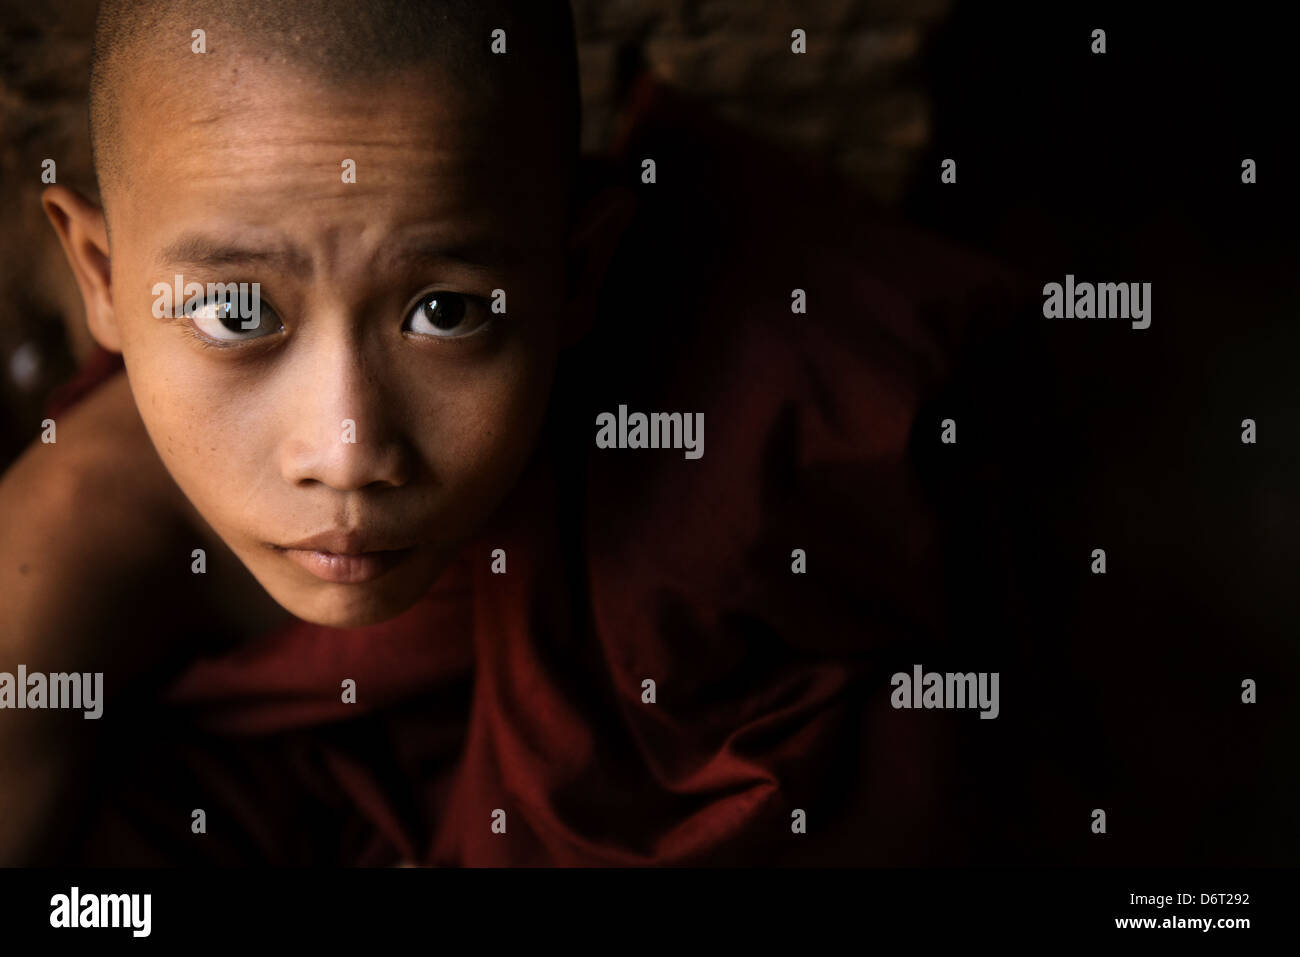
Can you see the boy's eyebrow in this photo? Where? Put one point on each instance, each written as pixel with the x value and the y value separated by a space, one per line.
pixel 203 251
pixel 475 255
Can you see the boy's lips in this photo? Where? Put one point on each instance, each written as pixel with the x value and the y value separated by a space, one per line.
pixel 345 558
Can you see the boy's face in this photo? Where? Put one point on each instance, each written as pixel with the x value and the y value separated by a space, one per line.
pixel 377 395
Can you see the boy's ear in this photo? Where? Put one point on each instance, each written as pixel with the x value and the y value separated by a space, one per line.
pixel 84 234
pixel 596 232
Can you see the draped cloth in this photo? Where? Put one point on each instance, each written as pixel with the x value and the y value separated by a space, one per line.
pixel 651 682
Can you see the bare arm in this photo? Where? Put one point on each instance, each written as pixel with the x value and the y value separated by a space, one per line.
pixel 87 524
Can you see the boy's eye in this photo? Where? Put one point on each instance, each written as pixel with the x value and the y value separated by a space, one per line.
pixel 446 315
pixel 230 320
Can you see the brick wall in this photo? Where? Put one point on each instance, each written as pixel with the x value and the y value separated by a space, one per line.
pixel 854 97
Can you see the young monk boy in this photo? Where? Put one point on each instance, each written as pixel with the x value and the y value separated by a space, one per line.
pixel 357 542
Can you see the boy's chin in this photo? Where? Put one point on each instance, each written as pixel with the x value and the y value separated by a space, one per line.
pixel 348 606
pixel 348 610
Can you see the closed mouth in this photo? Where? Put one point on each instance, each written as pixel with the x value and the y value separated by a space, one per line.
pixel 346 568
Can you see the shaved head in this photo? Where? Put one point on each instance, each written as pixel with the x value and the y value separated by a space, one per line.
pixel 342 44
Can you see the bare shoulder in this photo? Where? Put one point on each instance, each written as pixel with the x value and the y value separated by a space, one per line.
pixel 83 518
pixel 101 476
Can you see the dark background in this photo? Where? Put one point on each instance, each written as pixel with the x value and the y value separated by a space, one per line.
pixel 1119 167
pixel 1127 166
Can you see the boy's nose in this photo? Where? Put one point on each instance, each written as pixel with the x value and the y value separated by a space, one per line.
pixel 347 464
pixel 344 434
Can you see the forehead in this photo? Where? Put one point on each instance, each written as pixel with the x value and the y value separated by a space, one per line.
pixel 269 145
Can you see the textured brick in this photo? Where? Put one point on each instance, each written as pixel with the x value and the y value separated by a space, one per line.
pixel 851 98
